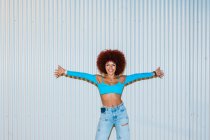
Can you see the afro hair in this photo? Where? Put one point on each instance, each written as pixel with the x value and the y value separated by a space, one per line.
pixel 111 55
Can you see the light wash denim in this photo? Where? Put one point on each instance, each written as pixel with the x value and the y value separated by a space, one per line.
pixel 113 117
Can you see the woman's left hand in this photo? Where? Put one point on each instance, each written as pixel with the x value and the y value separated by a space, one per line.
pixel 59 72
pixel 159 72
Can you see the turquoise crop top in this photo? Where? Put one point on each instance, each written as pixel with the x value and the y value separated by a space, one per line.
pixel 106 88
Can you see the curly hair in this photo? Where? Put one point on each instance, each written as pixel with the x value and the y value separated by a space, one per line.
pixel 111 55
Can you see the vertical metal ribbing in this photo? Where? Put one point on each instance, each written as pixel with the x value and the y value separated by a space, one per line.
pixel 37 35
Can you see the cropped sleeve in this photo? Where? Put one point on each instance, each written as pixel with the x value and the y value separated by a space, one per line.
pixel 138 76
pixel 82 75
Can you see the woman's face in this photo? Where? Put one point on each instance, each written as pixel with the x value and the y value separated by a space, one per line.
pixel 110 67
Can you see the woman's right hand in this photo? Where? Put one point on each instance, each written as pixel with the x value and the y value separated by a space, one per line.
pixel 59 72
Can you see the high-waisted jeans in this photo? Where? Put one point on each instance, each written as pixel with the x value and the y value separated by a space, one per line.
pixel 113 116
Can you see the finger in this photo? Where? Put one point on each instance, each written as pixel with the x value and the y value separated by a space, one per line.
pixel 58 74
pixel 59 70
pixel 60 67
pixel 157 71
pixel 161 75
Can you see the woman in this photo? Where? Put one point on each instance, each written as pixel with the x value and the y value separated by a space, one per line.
pixel 111 64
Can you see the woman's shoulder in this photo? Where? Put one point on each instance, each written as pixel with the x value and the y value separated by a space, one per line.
pixel 99 78
pixel 122 78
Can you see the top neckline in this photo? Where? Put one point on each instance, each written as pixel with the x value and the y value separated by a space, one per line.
pixel 109 84
pixel 118 79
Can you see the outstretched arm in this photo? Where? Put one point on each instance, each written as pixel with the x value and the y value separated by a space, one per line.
pixel 80 75
pixel 139 76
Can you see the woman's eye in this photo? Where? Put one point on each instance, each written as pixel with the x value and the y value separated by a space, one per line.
pixel 112 65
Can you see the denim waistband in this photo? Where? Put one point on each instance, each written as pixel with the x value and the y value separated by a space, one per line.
pixel 114 108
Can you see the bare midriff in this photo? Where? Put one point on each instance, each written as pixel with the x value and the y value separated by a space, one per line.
pixel 111 99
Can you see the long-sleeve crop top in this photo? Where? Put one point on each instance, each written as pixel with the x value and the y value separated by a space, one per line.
pixel 106 88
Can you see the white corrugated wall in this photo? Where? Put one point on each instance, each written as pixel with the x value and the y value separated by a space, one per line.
pixel 37 35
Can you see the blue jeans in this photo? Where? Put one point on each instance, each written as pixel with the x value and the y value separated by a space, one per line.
pixel 113 116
